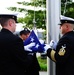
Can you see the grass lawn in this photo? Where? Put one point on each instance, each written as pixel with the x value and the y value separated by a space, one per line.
pixel 43 63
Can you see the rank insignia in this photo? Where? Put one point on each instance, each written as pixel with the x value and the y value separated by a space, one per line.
pixel 62 51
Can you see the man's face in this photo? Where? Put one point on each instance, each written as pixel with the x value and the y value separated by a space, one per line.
pixel 63 28
pixel 14 26
pixel 24 37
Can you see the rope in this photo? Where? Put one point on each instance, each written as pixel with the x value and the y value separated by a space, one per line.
pixel 65 8
pixel 44 14
pixel 34 22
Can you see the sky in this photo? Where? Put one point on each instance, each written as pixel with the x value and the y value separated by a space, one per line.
pixel 8 3
pixel 4 4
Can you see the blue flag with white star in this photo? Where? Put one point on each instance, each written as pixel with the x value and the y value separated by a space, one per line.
pixel 34 39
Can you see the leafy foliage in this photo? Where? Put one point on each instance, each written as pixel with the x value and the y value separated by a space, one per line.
pixel 31 15
pixel 37 3
pixel 43 64
pixel 67 9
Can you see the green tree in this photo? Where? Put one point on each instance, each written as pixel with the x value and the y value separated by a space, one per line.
pixel 67 9
pixel 33 17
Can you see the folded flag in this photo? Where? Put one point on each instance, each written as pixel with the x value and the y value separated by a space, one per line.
pixel 38 47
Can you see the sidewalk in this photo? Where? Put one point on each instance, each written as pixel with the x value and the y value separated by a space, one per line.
pixel 43 72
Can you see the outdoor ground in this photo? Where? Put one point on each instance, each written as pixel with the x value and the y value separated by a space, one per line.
pixel 43 72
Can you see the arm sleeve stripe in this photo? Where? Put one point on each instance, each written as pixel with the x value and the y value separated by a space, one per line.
pixel 52 55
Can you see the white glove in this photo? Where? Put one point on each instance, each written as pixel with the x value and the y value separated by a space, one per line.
pixel 46 47
pixel 27 47
pixel 53 44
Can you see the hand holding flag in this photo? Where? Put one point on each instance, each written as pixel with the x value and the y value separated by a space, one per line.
pixel 53 44
pixel 46 47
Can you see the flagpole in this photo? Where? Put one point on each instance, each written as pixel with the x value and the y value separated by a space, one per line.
pixel 53 14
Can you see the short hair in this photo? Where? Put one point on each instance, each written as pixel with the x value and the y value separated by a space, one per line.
pixel 3 21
